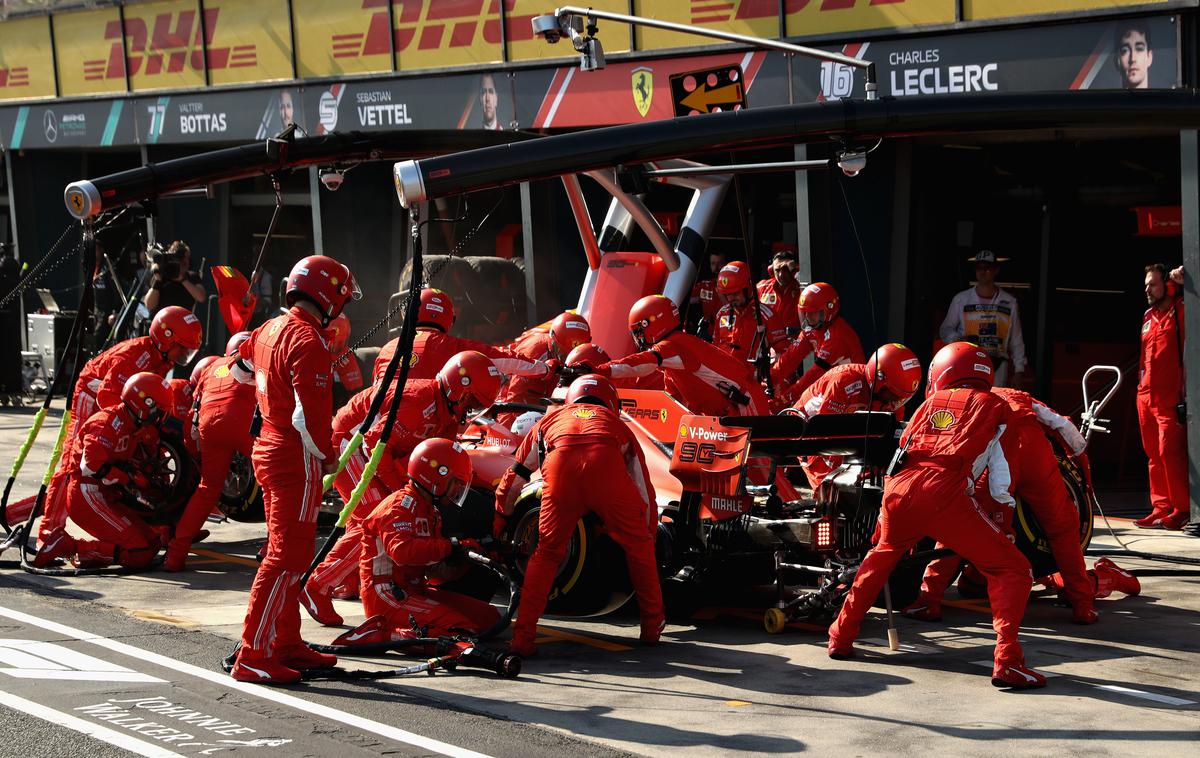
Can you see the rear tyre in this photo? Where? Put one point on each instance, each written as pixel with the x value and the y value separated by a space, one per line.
pixel 592 580
pixel 241 498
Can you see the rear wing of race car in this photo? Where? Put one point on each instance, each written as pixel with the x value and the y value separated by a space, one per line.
pixel 714 457
pixel 868 437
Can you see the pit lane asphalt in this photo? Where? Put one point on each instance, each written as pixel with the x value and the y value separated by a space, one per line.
pixel 719 685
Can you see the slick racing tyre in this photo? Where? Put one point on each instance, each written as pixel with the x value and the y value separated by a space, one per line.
pixel 592 580
pixel 241 498
pixel 1031 537
pixel 172 478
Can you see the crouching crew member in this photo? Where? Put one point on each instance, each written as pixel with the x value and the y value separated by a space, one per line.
pixel 175 336
pixel 403 547
pixel 465 386
pixel 953 436
pixel 101 472
pixel 590 461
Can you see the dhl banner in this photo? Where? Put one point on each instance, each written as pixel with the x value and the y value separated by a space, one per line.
pixel 803 18
pixel 986 10
pixel 339 37
pixel 247 41
pixel 89 57
pixel 164 45
pixel 26 59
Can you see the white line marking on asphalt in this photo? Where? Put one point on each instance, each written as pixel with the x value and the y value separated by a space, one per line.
pixel 905 647
pixel 31 659
pixel 990 664
pixel 1144 695
pixel 104 734
pixel 256 690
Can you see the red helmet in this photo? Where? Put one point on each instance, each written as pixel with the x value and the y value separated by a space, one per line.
pixel 895 374
pixel 734 278
pixel 568 331
pixel 337 334
pixel 588 354
pixel 652 318
pixel 177 333
pixel 235 342
pixel 202 364
pixel 441 468
pixel 470 382
pixel 324 282
pixel 593 388
pixel 436 309
pixel 960 364
pixel 818 305
pixel 147 396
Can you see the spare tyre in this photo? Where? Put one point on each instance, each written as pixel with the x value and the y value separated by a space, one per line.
pixel 1030 537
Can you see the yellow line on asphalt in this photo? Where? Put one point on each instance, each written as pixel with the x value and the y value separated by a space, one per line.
pixel 224 558
pixel 558 635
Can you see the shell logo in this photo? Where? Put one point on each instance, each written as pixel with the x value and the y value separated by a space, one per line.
pixel 583 413
pixel 683 430
pixel 942 420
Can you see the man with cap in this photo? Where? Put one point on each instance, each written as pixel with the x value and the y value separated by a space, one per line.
pixel 986 315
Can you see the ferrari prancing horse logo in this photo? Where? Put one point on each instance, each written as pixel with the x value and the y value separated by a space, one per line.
pixel 643 88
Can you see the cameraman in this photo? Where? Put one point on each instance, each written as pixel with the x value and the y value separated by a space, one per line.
pixel 172 282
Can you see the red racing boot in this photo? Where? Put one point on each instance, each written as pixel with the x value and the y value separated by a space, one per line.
pixel 347 590
pixel 1122 580
pixel 652 630
pixel 1173 522
pixel 373 631
pixel 1152 520
pixel 840 651
pixel 92 554
pixel 58 544
pixel 319 605
pixel 304 658
pixel 522 647
pixel 253 666
pixel 924 608
pixel 1017 676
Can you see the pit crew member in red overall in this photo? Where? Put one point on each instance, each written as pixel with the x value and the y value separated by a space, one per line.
pixel 829 339
pixel 224 410
pixel 291 372
pixel 738 329
pixel 100 470
pixel 403 547
pixel 703 377
pixel 1160 390
pixel 781 292
pixel 952 437
pixel 175 336
pixel 590 461
pixel 704 301
pixel 567 331
pixel 1037 481
pixel 887 381
pixel 434 345
pixel 465 386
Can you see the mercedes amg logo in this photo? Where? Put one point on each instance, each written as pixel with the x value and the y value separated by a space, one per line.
pixel 50 124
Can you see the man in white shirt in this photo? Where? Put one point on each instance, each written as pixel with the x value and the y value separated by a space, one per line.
pixel 987 316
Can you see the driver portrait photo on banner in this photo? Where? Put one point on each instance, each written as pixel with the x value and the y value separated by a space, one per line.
pixel 281 110
pixel 487 107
